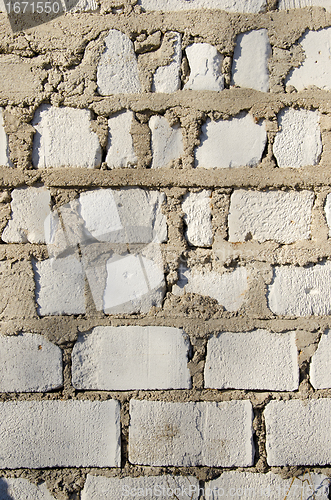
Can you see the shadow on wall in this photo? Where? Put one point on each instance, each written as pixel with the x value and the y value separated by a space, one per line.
pixel 4 495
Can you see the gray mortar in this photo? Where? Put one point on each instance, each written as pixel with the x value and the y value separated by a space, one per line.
pixel 56 63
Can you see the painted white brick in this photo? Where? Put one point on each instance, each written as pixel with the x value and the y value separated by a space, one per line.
pixel 315 69
pixel 234 484
pixel 250 60
pixel 167 78
pixel 298 143
pixel 59 286
pixel 298 432
pixel 228 289
pixel 64 138
pixel 273 215
pixel 132 357
pixel 117 71
pixel 298 291
pixel 120 145
pixel 167 141
pixel 245 6
pixel 39 434
pixel 320 366
pixel 197 217
pixel 4 148
pixel 18 488
pixel 30 207
pixel 257 360
pixel 205 67
pixel 191 434
pixel 298 4
pixel 29 363
pixel 134 283
pixel 231 143
pixel 327 209
pixel 147 487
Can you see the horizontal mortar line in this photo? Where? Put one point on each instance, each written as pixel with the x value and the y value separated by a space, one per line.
pixel 256 177
pixel 198 327
pixel 201 395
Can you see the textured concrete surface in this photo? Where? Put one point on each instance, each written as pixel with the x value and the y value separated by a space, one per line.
pixel 197 217
pixel 148 487
pixel 257 360
pixel 167 141
pixel 18 488
pixel 186 434
pixel 272 486
pixel 64 138
pixel 250 60
pixel 29 208
pixel 126 358
pixel 297 291
pixel 298 432
pixel 230 143
pixel 320 365
pixel 205 67
pixel 37 434
pixel 298 143
pixel 29 363
pixel 281 216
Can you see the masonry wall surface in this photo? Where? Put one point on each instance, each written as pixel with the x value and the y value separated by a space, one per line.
pixel 165 255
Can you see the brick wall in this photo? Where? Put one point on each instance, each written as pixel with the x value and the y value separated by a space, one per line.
pixel 165 256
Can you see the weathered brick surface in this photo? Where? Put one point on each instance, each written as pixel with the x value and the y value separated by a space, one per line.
pixel 38 434
pixel 298 432
pixel 126 358
pixel 274 215
pixel 29 363
pixel 186 434
pixel 18 488
pixel 148 487
pixel 257 360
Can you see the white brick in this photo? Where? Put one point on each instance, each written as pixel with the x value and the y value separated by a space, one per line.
pixel 315 69
pixel 39 434
pixel 205 67
pixel 64 138
pixel 231 143
pixel 134 283
pixel 301 291
pixel 117 72
pixel 29 363
pixel 245 6
pixel 99 212
pixel 197 217
pixel 18 488
pixel 167 78
pixel 120 145
pixel 327 209
pixel 191 434
pixel 298 4
pixel 131 357
pixel 234 484
pixel 298 143
pixel 147 487
pixel 281 216
pixel 59 286
pixel 228 289
pixel 167 141
pixel 250 60
pixel 29 208
pixel 320 366
pixel 257 360
pixel 4 149
pixel 298 432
